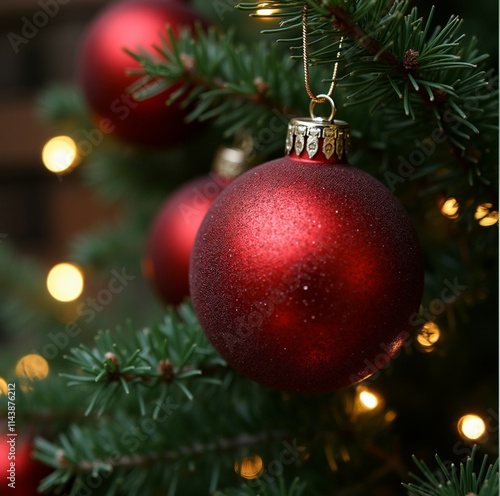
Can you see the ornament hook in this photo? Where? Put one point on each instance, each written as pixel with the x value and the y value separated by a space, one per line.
pixel 321 99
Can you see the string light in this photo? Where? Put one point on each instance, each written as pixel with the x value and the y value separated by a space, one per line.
pixel 450 208
pixel 390 416
pixel 428 336
pixel 65 282
pixel 60 155
pixel 485 216
pixel 367 400
pixel 471 427
pixel 4 389
pixel 263 11
pixel 251 467
pixel 30 368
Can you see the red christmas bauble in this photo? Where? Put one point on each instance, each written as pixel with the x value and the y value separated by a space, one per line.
pixel 305 272
pixel 27 473
pixel 102 66
pixel 173 233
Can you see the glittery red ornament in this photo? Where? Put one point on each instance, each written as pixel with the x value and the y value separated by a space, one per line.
pixel 175 227
pixel 306 270
pixel 102 67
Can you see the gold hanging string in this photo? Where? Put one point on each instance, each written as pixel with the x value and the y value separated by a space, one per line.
pixel 319 98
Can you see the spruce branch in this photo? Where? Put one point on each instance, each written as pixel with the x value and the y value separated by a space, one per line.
pixel 456 482
pixel 232 85
pixel 393 60
pixel 147 362
pixel 235 444
pixel 296 488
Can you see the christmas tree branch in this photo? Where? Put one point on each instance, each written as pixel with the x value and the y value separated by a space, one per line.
pixel 296 488
pixel 391 61
pixel 147 361
pixel 456 482
pixel 233 86
pixel 238 443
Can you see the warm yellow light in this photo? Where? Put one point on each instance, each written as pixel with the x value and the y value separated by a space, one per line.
pixel 251 467
pixel 429 335
pixel 65 282
pixel 485 215
pixel 265 12
pixel 390 416
pixel 471 426
pixel 32 367
pixel 450 208
pixel 60 154
pixel 369 400
pixel 4 389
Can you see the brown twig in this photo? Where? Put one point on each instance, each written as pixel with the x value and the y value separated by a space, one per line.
pixel 196 450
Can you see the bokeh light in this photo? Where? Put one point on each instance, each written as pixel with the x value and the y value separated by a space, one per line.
pixel 60 155
pixel 428 336
pixel 369 400
pixel 485 216
pixel 251 467
pixel 450 208
pixel 390 416
pixel 264 11
pixel 32 367
pixel 65 282
pixel 4 389
pixel 471 427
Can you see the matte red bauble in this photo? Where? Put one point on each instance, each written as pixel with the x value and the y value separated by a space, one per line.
pixel 102 67
pixel 172 236
pixel 306 270
pixel 175 227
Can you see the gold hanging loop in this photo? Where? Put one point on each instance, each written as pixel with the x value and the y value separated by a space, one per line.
pixel 323 99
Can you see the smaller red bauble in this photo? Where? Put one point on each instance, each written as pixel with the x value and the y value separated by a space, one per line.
pixel 174 229
pixel 306 270
pixel 173 233
pixel 103 64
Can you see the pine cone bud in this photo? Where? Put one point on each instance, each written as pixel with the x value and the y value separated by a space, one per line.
pixel 166 369
pixel 410 60
pixel 439 95
pixel 61 459
pixel 261 86
pixel 112 357
pixel 187 62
